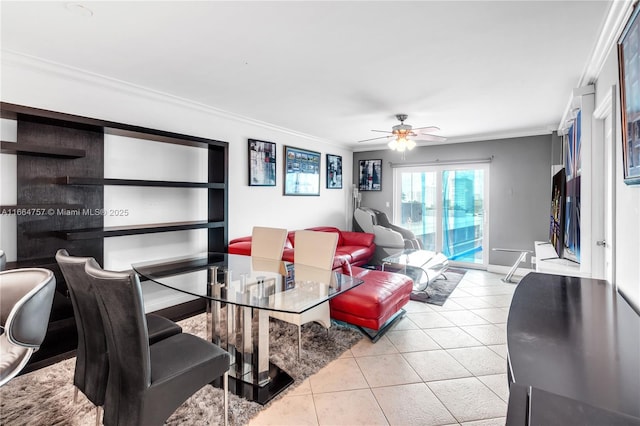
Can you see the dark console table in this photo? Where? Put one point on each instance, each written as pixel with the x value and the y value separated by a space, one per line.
pixel 572 342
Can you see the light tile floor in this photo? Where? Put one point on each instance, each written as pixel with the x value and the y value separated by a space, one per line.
pixel 437 366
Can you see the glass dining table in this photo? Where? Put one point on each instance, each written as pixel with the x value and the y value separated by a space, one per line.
pixel 240 291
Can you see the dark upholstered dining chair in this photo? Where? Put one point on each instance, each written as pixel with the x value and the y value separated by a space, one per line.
pixel 148 382
pixel 26 297
pixel 92 364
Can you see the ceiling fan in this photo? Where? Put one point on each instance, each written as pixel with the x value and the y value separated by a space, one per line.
pixel 402 135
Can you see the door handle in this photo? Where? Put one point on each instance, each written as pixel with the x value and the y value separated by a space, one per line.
pixel 601 243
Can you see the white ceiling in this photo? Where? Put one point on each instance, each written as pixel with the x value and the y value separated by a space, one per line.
pixel 333 70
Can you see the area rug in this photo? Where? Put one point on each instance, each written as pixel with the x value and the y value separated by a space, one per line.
pixel 45 396
pixel 439 290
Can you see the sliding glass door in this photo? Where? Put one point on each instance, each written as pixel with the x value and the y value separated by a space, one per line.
pixel 445 207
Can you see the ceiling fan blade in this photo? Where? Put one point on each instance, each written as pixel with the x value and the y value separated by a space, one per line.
pixel 373 139
pixel 381 131
pixel 427 129
pixel 430 138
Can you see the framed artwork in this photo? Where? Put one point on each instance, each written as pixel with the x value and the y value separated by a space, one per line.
pixel 301 171
pixel 629 69
pixel 370 177
pixel 572 193
pixel 262 163
pixel 558 197
pixel 334 171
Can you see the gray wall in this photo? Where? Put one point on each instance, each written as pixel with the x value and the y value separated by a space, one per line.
pixel 519 193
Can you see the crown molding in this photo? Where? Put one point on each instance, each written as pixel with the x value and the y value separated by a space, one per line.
pixel 614 23
pixel 25 61
pixel 617 16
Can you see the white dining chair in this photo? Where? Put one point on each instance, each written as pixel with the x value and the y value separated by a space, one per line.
pixel 313 261
pixel 268 243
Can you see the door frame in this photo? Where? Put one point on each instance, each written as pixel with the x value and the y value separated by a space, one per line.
pixel 604 199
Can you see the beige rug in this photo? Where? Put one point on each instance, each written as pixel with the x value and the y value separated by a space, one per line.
pixel 45 396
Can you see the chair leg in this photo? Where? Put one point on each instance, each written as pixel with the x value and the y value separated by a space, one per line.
pixel 75 394
pixel 299 342
pixel 226 397
pixel 98 410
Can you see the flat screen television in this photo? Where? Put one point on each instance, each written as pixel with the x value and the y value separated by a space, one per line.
pixel 556 217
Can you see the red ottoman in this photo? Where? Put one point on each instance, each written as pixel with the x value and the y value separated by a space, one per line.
pixel 375 304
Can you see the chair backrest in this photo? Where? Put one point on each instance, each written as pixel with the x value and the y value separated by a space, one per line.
pixel 92 363
pixel 3 261
pixel 376 222
pixel 268 243
pixel 26 297
pixel 364 219
pixel 305 273
pixel 381 219
pixel 315 249
pixel 268 265
pixel 121 307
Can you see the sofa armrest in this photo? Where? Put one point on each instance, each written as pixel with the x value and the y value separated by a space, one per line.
pixel 357 238
pixel 346 269
pixel 240 240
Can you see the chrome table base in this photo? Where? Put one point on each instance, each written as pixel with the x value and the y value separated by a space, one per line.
pixel 244 333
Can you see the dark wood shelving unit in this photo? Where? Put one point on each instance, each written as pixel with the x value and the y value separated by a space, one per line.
pixel 40 150
pixel 33 263
pixel 119 231
pixel 75 180
pixel 60 165
pixel 41 206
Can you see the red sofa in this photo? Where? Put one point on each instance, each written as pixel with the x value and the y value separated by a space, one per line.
pixel 354 248
pixel 374 305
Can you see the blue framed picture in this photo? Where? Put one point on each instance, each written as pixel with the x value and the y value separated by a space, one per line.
pixel 629 69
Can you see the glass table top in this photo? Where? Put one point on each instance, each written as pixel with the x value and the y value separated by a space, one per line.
pixel 248 281
pixel 411 257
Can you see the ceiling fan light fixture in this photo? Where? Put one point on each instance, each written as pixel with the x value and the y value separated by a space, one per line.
pixel 402 144
pixel 402 135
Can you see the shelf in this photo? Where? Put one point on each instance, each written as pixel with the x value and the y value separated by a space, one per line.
pixel 39 206
pixel 178 266
pixel 40 150
pixel 74 180
pixel 44 175
pixel 118 231
pixel 47 262
pixel 20 112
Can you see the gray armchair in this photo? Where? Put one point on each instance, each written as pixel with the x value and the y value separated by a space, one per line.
pixel 26 297
pixel 148 382
pixel 390 239
pixel 92 364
